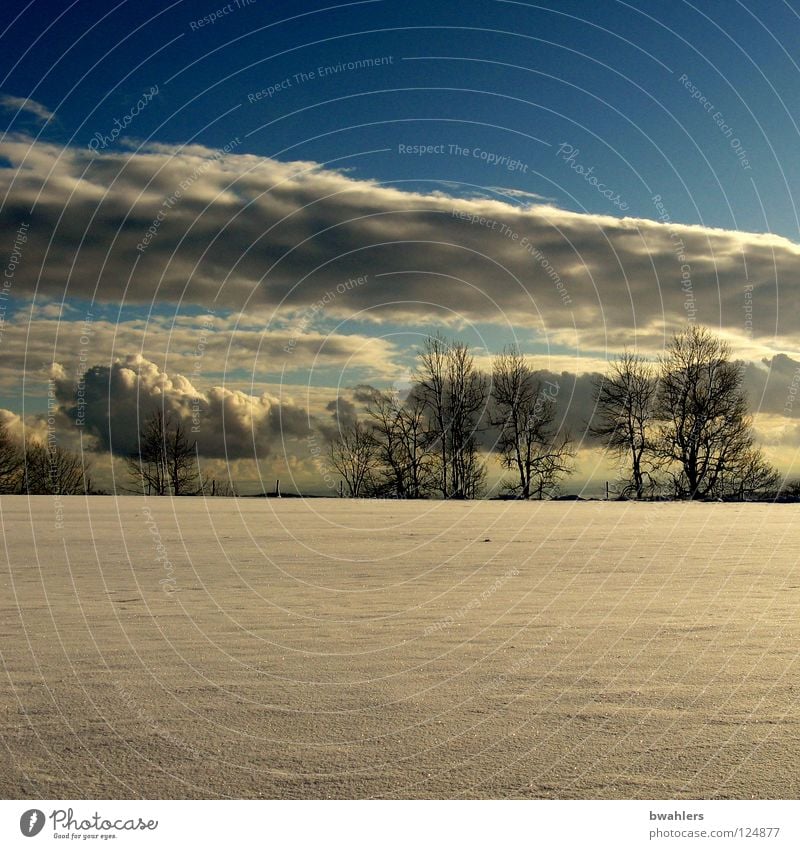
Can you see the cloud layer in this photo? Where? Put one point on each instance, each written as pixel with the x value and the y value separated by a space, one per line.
pixel 194 226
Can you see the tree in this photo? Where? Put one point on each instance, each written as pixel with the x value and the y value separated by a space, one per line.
pixel 432 381
pixel 166 461
pixel 467 396
pixel 705 428
pixel 525 413
pixel 354 456
pixel 790 491
pixel 454 394
pixel 472 470
pixel 218 489
pixel 11 462
pixel 402 444
pixel 751 478
pixel 625 411
pixel 52 470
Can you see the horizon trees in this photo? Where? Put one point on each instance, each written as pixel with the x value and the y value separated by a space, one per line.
pixel 705 433
pixel 403 444
pixel 625 411
pixel 454 393
pixel 36 468
pixel 431 440
pixel 11 461
pixel 165 462
pixel 525 413
pixel 354 456
pixel 681 425
pixel 52 470
pixel 687 417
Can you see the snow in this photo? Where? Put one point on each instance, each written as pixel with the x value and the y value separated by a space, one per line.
pixel 294 648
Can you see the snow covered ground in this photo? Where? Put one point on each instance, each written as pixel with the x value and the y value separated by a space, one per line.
pixel 325 648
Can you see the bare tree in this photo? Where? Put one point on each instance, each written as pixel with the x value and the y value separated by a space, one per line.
pixel 472 470
pixel 432 381
pixel 467 397
pixel 411 425
pixel 11 462
pixel 354 456
pixel 218 489
pixel 705 427
pixel 625 412
pixel 52 470
pixel 554 466
pixel 752 477
pixel 454 394
pixel 790 491
pixel 525 413
pixel 166 461
pixel 402 444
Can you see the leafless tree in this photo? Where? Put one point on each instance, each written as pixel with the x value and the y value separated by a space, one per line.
pixel 472 470
pixel 218 489
pixel 625 412
pixel 705 427
pixel 525 413
pixel 166 461
pixel 353 454
pixel 790 490
pixel 467 397
pixel 402 443
pixel 454 393
pixel 11 462
pixel 52 470
pixel 431 378
pixel 752 477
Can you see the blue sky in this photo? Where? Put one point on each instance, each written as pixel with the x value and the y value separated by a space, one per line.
pixel 570 176
pixel 510 78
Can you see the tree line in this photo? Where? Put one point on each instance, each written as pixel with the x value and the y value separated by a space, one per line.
pixel 429 443
pixel 680 427
pixel 165 462
pixel 34 468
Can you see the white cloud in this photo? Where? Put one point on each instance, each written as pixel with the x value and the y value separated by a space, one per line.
pixel 25 104
pixel 111 403
pixel 252 234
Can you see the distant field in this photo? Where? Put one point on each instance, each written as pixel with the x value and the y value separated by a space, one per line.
pixel 323 648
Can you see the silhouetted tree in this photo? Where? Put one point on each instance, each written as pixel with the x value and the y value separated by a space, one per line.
pixel 752 477
pixel 705 427
pixel 432 381
pixel 525 413
pixel 454 393
pixel 166 461
pixel 11 462
pixel 625 412
pixel 353 454
pixel 52 470
pixel 467 396
pixel 403 444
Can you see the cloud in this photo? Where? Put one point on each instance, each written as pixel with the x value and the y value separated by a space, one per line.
pixel 206 347
pixel 25 104
pixel 773 386
pixel 112 402
pixel 275 239
pixel 259 435
pixel 32 428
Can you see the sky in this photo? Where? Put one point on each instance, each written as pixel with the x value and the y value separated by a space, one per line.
pixel 248 210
